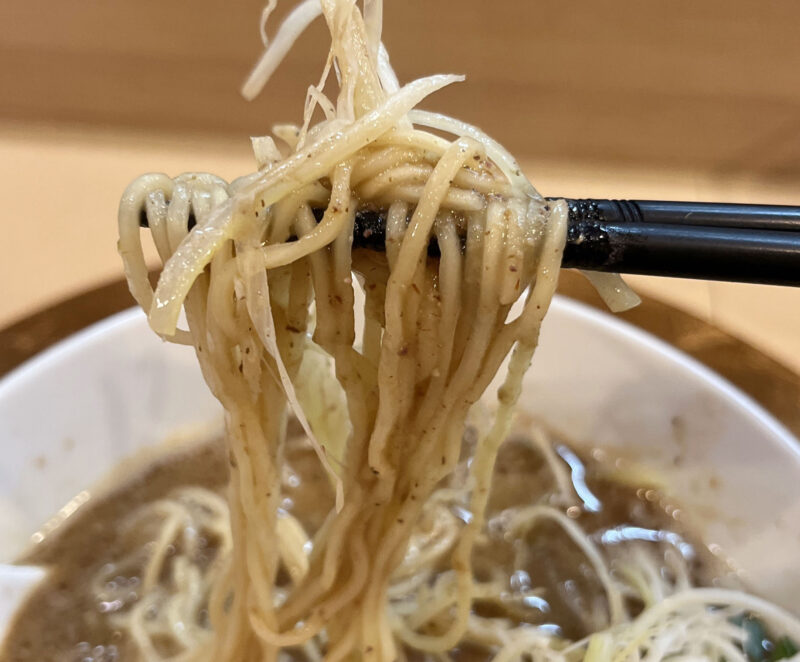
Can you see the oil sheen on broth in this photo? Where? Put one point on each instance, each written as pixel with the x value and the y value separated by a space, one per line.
pixel 64 621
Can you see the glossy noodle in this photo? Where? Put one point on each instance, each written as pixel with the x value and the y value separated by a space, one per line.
pixel 381 358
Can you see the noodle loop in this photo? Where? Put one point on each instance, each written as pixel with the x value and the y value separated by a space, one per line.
pixel 270 296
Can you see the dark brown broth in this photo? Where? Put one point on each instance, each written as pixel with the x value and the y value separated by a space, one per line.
pixel 62 622
pixel 548 559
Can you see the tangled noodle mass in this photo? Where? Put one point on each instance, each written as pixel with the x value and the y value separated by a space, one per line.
pixel 381 357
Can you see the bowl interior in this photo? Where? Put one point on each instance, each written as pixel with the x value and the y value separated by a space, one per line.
pixel 73 413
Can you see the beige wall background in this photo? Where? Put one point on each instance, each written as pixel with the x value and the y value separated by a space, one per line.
pixel 677 99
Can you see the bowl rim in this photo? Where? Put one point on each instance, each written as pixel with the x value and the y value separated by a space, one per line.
pixel 719 383
pixel 34 366
pixel 39 362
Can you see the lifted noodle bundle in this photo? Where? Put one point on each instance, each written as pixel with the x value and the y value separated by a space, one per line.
pixel 270 299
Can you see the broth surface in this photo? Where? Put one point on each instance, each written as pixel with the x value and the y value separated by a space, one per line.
pixel 63 621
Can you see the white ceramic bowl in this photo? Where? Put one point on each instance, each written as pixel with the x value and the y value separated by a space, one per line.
pixel 69 415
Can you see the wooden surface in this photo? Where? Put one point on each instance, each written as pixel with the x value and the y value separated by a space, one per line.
pixel 709 84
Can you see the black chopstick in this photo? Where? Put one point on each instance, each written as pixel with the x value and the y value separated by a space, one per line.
pixel 709 214
pixel 713 241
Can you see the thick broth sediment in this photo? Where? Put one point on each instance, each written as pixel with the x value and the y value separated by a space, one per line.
pixel 62 621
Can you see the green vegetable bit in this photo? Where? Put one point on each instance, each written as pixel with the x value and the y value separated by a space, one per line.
pixel 761 645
